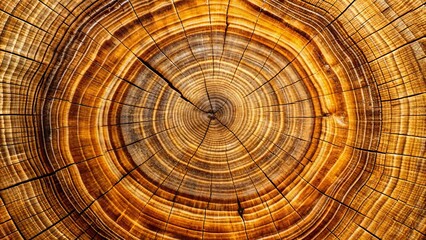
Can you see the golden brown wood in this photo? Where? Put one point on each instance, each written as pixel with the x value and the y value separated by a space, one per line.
pixel 217 119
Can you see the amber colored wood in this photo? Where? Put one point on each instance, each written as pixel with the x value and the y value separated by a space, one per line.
pixel 216 119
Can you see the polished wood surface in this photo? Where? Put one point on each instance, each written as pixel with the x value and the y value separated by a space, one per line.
pixel 215 119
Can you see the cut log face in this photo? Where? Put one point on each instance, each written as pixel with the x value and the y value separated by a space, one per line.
pixel 217 119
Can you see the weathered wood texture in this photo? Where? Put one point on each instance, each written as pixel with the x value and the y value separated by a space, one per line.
pixel 214 119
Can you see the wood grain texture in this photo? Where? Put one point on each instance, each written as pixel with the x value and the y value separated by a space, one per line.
pixel 217 119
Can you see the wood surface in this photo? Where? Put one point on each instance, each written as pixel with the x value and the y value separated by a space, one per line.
pixel 213 119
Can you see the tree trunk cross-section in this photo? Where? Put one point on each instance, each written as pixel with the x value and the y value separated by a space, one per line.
pixel 215 119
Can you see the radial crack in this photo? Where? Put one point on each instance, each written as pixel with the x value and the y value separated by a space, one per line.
pixel 225 32
pixel 240 209
pixel 192 52
pixel 169 83
pixel 208 204
pixel 257 165
pixel 248 43
pixel 186 172
pixel 97 198
pixel 245 49
pixel 303 48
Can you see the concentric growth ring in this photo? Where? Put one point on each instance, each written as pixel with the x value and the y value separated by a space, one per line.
pixel 209 120
pixel 183 127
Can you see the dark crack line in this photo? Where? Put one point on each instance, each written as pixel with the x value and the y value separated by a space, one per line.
pixel 303 48
pixel 276 188
pixel 143 62
pixel 332 233
pixel 169 83
pixel 317 96
pixel 208 204
pixel 245 227
pixel 43 80
pixel 290 84
pixel 388 23
pixel 248 43
pixel 235 188
pixel 273 184
pixel 12 217
pixel 368 231
pixel 192 52
pixel 147 64
pixel 323 193
pixel 240 210
pixel 95 200
pixel 242 55
pixel 21 56
pixel 154 70
pixel 53 224
pixel 212 50
pixel 373 187
pixel 159 186
pixel 265 203
pixel 321 96
pixel 84 231
pixel 336 200
pixel 71 164
pixel 95 63
pixel 225 33
pixel 137 122
pixel 397 48
pixel 25 21
pixel 267 58
pixel 183 178
pixel 53 10
pixel 281 149
pixel 379 137
pixel 121 178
